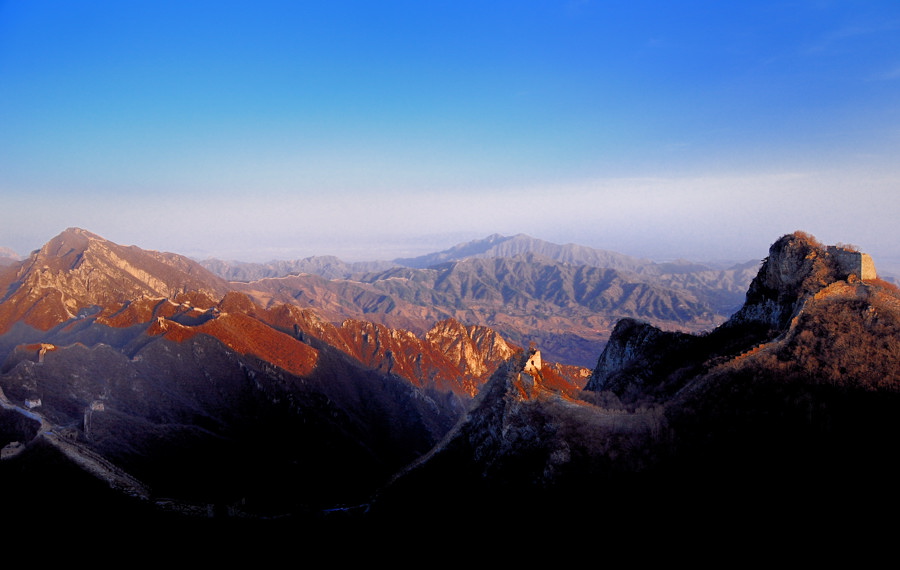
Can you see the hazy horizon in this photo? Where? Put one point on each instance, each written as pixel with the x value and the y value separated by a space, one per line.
pixel 281 130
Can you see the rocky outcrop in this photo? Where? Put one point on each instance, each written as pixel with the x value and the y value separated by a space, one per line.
pixel 523 452
pixel 641 360
pixel 796 268
pixel 631 360
pixel 478 350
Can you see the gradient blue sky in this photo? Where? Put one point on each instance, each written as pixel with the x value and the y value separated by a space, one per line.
pixel 370 130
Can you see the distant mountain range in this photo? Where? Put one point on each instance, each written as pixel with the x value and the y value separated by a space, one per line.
pixel 140 387
pixel 325 265
pixel 8 256
pixel 493 246
pixel 497 245
pixel 566 298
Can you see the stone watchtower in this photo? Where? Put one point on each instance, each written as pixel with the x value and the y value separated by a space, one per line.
pixel 852 262
pixel 528 380
pixel 533 366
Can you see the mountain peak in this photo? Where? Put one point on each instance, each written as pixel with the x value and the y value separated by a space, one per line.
pixel 473 248
pixel 78 269
pixel 497 245
pixel 74 230
pixel 796 273
pixel 74 233
pixel 8 256
pixel 797 267
pixel 70 240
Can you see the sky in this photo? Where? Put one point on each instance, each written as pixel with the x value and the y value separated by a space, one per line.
pixel 373 130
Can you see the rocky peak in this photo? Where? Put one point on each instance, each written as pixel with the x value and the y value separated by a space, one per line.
pixel 476 349
pixel 791 259
pixel 70 243
pixel 797 267
pixel 451 357
pixel 641 360
pixel 77 270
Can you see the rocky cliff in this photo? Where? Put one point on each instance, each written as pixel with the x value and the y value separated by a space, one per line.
pixel 797 268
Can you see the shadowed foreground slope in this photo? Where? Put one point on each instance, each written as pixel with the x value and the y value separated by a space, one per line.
pixel 786 416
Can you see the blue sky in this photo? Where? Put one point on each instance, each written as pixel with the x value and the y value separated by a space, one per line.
pixel 370 130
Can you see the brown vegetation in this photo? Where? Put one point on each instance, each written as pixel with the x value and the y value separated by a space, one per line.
pixel 846 339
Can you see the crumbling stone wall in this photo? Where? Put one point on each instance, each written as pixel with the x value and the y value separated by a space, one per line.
pixel 853 262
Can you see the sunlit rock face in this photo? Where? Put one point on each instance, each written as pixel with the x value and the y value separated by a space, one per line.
pixel 78 270
pixel 476 349
pixel 797 267
pixel 79 274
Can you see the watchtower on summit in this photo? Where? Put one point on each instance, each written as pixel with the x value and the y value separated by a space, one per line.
pixel 533 365
pixel 852 262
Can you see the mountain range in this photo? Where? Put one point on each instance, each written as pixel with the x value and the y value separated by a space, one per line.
pixel 7 256
pixel 169 372
pixel 567 298
pixel 144 386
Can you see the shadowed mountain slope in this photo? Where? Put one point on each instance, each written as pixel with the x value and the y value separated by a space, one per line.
pixel 786 414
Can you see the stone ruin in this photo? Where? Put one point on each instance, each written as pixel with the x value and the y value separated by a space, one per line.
pixel 852 262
